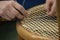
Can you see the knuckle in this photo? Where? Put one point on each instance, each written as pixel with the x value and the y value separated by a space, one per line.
pixel 21 7
pixel 8 5
pixel 17 14
pixel 12 1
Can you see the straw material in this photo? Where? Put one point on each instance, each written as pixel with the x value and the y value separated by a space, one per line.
pixel 40 23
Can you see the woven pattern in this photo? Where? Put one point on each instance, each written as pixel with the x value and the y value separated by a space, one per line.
pixel 40 23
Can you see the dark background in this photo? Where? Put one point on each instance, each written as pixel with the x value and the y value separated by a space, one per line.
pixel 8 29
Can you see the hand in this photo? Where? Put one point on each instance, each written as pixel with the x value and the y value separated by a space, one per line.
pixel 11 9
pixel 51 7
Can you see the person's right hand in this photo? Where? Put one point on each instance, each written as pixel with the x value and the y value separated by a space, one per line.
pixel 51 7
pixel 11 9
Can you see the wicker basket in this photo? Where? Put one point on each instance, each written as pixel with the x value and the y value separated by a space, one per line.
pixel 38 25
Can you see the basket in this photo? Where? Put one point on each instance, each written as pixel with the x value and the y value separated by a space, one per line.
pixel 37 25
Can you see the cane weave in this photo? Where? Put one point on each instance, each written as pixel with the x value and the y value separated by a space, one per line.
pixel 39 23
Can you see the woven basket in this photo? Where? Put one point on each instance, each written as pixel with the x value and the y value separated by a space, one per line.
pixel 39 23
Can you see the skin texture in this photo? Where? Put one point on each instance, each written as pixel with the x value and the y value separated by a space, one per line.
pixel 51 7
pixel 11 9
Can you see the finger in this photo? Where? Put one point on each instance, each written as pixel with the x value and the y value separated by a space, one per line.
pixel 48 6
pixel 16 13
pixel 10 14
pixel 7 14
pixel 53 10
pixel 52 13
pixel 5 17
pixel 20 8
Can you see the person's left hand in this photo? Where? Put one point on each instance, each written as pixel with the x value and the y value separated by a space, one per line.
pixel 11 9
